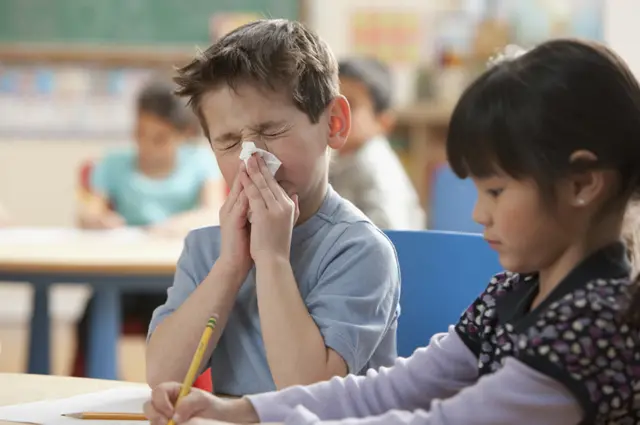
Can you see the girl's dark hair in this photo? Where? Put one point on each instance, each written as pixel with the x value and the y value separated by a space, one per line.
pixel 526 116
pixel 158 99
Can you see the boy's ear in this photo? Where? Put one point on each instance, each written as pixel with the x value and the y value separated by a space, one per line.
pixel 339 122
pixel 387 121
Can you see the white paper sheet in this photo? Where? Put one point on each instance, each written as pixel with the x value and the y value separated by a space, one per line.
pixel 49 412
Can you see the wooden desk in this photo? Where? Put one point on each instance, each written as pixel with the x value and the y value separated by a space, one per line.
pixel 110 262
pixel 19 388
pixel 22 388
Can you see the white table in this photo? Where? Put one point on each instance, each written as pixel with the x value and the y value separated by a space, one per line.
pixel 109 261
pixel 23 388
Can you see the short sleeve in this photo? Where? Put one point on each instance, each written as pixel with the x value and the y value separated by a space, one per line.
pixel 580 342
pixel 480 318
pixel 103 176
pixel 184 283
pixel 355 302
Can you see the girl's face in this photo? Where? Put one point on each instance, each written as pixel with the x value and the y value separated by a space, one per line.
pixel 528 233
pixel 157 140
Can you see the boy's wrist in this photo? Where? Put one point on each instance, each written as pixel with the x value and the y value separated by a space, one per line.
pixel 229 271
pixel 271 262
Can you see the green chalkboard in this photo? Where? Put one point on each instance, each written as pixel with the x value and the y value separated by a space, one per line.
pixel 124 22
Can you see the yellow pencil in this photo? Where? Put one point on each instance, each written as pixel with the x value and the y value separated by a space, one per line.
pixel 197 361
pixel 107 416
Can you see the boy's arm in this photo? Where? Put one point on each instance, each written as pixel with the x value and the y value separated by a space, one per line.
pixel 176 326
pixel 339 325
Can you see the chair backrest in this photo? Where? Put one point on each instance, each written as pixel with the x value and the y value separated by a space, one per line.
pixel 442 274
pixel 84 175
pixel 452 201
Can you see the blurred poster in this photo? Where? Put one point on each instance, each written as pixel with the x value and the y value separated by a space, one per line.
pixel 391 36
pixel 223 23
pixel 536 20
pixel 68 102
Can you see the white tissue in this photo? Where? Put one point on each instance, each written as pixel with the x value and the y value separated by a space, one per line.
pixel 272 161
pixel 249 148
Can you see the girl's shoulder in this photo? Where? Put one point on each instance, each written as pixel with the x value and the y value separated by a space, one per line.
pixel 584 341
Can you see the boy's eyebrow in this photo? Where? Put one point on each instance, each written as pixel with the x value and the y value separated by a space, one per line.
pixel 258 128
pixel 228 137
pixel 267 125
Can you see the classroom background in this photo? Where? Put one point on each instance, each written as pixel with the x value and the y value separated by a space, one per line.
pixel 70 70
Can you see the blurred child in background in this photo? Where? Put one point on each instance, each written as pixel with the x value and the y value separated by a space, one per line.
pixel 167 184
pixel 366 171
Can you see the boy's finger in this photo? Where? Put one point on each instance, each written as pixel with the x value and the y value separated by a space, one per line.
pixel 256 202
pixel 163 397
pixel 191 406
pixel 259 180
pixel 236 187
pixel 277 191
pixel 240 208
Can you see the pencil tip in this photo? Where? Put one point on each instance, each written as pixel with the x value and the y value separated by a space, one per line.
pixel 72 415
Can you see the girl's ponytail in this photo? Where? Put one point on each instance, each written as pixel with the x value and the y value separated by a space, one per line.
pixel 631 236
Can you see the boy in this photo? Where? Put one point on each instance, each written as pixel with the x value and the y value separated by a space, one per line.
pixel 165 185
pixel 366 171
pixel 295 305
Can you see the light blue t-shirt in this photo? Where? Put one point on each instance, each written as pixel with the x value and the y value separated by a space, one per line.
pixel 142 200
pixel 348 275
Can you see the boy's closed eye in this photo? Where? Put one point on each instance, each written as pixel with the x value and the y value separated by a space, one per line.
pixel 274 133
pixel 226 146
pixel 494 193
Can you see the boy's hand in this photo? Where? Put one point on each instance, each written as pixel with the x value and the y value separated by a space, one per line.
pixel 234 247
pixel 273 213
pixel 197 404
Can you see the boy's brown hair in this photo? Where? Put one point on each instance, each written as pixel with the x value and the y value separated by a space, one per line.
pixel 273 54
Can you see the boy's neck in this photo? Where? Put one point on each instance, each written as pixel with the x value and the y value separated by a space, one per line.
pixel 309 207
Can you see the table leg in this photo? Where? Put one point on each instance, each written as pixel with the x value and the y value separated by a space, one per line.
pixel 104 332
pixel 39 337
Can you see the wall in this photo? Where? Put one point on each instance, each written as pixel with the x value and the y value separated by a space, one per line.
pixel 38 179
pixel 622 32
pixel 331 19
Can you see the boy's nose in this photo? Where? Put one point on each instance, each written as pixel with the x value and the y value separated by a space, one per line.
pixel 260 144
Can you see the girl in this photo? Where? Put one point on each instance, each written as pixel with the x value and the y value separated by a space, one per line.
pixel 551 138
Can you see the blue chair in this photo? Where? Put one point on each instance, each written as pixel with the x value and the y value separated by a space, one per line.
pixel 442 273
pixel 452 201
